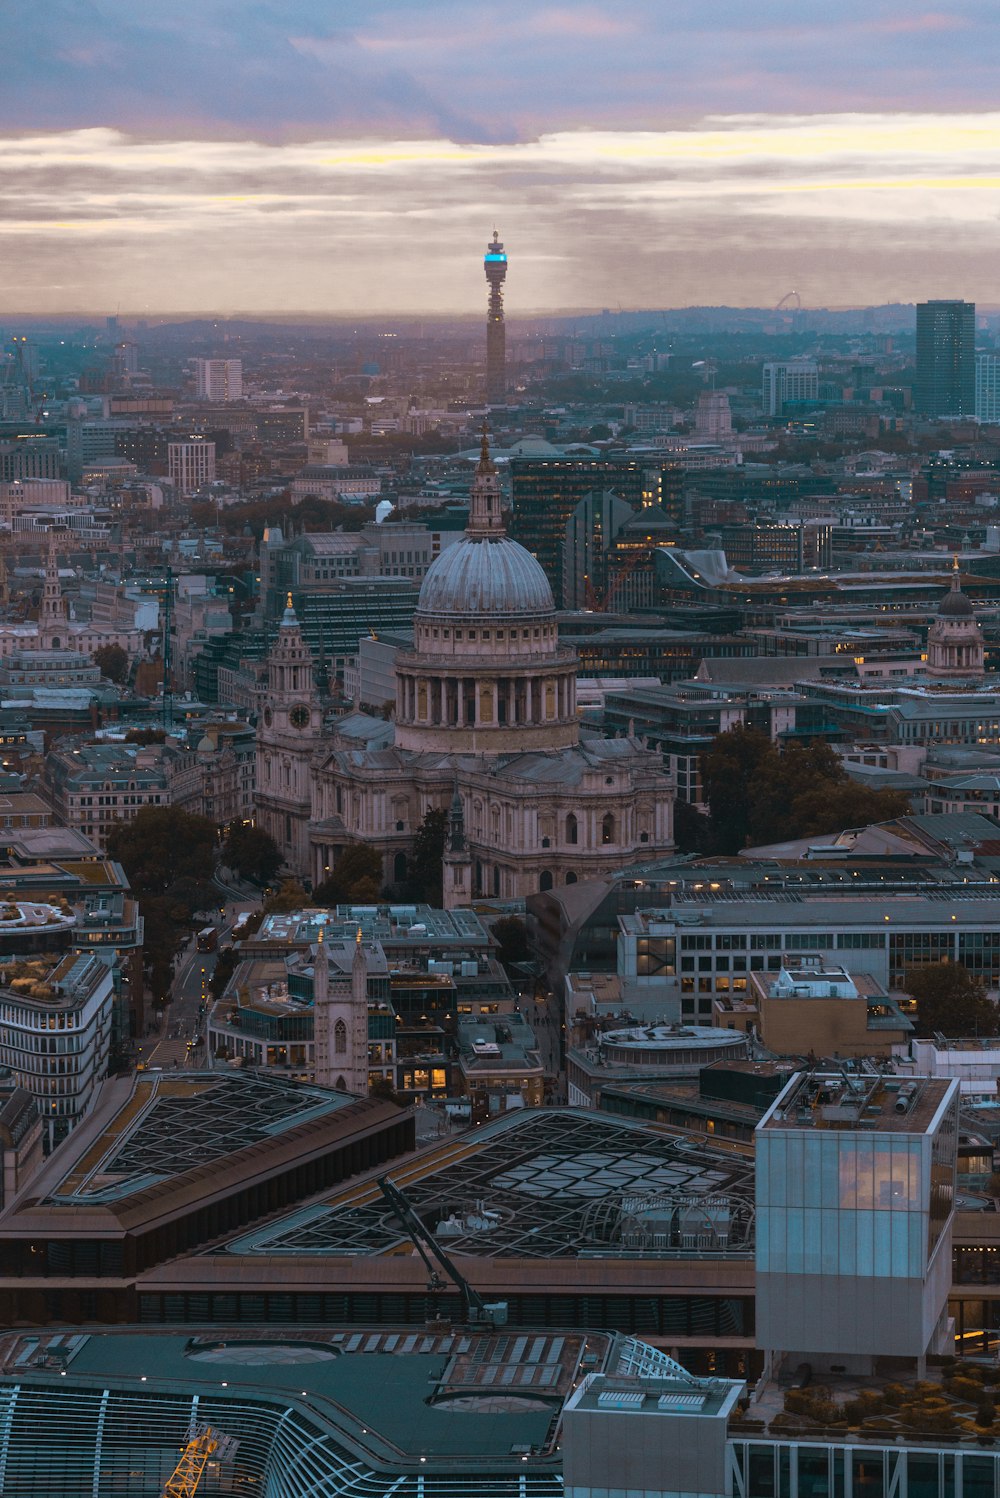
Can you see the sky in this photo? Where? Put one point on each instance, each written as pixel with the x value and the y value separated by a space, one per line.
pixel 353 156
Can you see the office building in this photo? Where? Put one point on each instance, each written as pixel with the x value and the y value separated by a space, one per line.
pixel 546 491
pixel 988 388
pixel 789 386
pixel 495 263
pixel 219 379
pixel 855 1191
pixel 946 359
pixel 56 1034
pixel 191 464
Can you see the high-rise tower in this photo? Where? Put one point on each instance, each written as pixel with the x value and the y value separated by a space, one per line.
pixel 946 359
pixel 495 262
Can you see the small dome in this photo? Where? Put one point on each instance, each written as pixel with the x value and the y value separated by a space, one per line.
pixel 206 745
pixel 954 605
pixel 485 576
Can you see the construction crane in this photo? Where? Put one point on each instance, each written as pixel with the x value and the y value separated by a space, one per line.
pixel 475 1310
pixel 203 1444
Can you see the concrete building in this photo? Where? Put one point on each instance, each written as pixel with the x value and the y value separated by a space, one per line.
pixel 817 1009
pixel 495 265
pixel 191 465
pixel 988 388
pixel 219 379
pixel 55 1036
pixel 789 385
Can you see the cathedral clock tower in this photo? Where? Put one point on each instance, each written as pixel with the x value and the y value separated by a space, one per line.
pixel 288 733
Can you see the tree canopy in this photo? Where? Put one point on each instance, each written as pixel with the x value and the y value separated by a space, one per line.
pixel 951 1001
pixel 356 877
pixel 757 793
pixel 168 856
pixel 251 853
pixel 426 873
pixel 113 661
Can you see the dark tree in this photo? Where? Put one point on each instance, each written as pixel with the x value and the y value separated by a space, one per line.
pixel 512 935
pixel 225 966
pixel 425 867
pixel 161 845
pixel 289 896
pixel 251 853
pixel 692 829
pixel 356 877
pixel 737 762
pixel 951 1001
pixel 113 661
pixel 757 795
pixel 168 856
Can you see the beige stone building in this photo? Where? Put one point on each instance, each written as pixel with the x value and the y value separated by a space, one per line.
pixel 485 724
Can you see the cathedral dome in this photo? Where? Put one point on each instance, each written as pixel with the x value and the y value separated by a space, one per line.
pixel 486 576
pixel 954 605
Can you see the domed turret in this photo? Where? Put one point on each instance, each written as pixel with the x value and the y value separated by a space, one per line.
pixel 955 641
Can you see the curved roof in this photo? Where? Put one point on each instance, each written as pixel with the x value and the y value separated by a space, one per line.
pixel 485 576
pixel 954 605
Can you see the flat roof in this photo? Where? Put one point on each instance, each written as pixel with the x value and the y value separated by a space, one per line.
pixel 859 1100
pixel 409 1393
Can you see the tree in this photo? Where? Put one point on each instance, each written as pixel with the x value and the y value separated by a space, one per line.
pixel 356 877
pixel 692 829
pixel 425 864
pixel 512 935
pixel 168 856
pixel 950 1001
pixel 757 794
pixel 161 845
pixel 730 769
pixel 289 896
pixel 113 661
pixel 251 853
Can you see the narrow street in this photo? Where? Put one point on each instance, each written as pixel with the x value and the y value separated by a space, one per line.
pixel 182 1021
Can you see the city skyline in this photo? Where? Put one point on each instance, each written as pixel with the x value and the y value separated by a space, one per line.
pixel 169 164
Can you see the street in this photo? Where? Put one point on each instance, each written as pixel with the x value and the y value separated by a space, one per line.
pixel 181 1022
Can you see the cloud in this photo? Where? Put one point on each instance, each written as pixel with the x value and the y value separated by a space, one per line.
pixel 300 68
pixel 847 208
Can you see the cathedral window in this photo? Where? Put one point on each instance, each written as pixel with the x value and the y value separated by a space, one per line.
pixel 608 829
pixel 340 1038
pixel 571 828
pixel 545 880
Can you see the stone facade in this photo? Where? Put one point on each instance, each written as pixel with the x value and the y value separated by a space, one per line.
pixel 485 713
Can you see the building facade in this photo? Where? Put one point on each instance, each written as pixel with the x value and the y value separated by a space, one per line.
pixel 946 359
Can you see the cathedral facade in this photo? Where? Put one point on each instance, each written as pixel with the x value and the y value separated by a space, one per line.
pixel 485 727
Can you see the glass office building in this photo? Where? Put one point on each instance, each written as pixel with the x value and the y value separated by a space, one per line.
pixel 855 1192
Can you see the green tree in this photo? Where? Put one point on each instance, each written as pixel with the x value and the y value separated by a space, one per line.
pixel 168 856
pixel 113 661
pixel 692 829
pixel 225 966
pixel 161 845
pixel 425 864
pixel 289 896
pixel 951 1001
pixel 512 935
pixel 737 762
pixel 251 853
pixel 356 877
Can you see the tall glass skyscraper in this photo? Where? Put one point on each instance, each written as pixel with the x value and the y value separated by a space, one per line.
pixel 946 359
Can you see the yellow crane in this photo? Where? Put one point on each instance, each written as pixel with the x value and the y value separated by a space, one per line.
pixel 204 1443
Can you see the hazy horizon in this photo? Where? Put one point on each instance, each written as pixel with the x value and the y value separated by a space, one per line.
pixel 218 156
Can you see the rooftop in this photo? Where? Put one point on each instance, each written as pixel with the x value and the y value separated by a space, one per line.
pixel 558 1183
pixel 154 1126
pixel 862 1098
